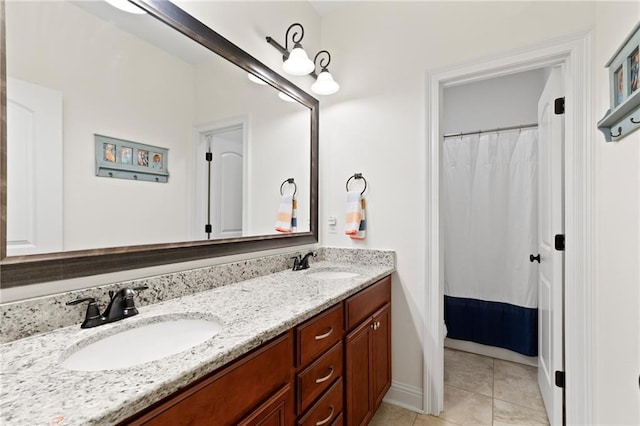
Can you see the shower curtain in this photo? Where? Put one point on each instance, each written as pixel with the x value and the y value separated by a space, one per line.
pixel 490 228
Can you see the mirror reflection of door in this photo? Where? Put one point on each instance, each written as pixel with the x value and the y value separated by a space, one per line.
pixel 220 191
pixel 34 173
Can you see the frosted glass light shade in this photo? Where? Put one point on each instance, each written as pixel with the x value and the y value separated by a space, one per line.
pixel 285 97
pixel 325 84
pixel 256 80
pixel 126 6
pixel 298 62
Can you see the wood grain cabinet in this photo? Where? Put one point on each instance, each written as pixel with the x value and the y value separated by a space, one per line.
pixel 367 351
pixel 319 364
pixel 312 375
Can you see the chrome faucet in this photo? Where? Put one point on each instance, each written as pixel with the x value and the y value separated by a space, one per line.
pixel 300 262
pixel 120 307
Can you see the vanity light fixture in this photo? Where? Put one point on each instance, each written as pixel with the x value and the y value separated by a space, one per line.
pixel 126 6
pixel 325 84
pixel 297 62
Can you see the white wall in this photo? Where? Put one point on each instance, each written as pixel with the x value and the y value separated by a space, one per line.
pixel 511 100
pixel 376 124
pixel 617 247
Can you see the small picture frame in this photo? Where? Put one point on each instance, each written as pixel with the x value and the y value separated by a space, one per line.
pixel 125 159
pixel 618 86
pixel 634 65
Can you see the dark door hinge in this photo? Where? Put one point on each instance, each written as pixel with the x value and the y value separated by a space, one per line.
pixel 558 106
pixel 208 229
pixel 560 379
pixel 208 156
pixel 559 242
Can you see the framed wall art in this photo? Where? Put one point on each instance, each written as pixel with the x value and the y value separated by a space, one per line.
pixel 123 159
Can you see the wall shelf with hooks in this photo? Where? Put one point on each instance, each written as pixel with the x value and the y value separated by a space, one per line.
pixel 623 117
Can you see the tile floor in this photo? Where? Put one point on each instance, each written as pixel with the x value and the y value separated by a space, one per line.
pixel 478 390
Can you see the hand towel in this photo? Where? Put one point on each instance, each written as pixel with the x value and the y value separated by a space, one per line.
pixel 363 222
pixel 353 213
pixel 287 214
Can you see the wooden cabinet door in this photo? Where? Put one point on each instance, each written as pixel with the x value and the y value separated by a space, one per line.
pixel 358 375
pixel 381 354
pixel 276 411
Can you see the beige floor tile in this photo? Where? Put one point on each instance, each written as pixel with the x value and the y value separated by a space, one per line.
pixel 506 413
pixel 391 415
pixel 518 384
pixel 466 408
pixel 468 371
pixel 427 420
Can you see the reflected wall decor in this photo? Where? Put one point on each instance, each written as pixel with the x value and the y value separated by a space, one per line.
pixel 119 158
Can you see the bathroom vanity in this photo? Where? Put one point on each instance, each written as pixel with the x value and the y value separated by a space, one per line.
pixel 294 347
pixel 305 374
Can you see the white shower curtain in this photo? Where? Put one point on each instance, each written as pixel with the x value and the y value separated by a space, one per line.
pixel 490 228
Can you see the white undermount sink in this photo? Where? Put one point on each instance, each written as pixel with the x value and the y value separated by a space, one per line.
pixel 330 274
pixel 148 342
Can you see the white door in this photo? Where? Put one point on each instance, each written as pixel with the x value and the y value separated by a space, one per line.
pixel 550 223
pixel 225 194
pixel 34 169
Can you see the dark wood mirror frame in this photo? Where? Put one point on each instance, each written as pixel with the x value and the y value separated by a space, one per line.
pixel 32 269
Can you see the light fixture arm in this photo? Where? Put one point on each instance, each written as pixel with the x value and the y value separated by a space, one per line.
pixel 284 50
pixel 323 64
pixel 293 37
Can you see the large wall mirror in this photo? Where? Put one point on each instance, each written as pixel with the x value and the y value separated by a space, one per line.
pixel 98 103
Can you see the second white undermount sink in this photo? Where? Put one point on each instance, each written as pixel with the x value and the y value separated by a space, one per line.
pixel 142 344
pixel 330 274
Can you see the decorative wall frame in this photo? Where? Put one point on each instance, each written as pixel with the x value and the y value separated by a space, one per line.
pixel 123 159
pixel 623 117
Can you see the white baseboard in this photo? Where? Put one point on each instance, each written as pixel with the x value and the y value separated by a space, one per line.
pixel 405 396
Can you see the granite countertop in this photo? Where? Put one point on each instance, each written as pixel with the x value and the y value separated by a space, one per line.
pixel 36 390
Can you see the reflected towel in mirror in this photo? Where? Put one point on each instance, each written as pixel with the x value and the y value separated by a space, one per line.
pixel 287 214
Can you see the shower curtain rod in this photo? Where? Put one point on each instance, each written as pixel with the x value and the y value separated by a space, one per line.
pixel 497 129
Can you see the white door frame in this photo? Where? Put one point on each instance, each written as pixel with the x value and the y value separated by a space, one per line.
pixel 575 53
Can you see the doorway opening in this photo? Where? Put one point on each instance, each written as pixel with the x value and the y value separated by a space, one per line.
pixel 501 195
pixel 572 54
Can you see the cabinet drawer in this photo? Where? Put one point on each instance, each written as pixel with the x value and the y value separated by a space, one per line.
pixel 319 334
pixel 365 303
pixel 327 409
pixel 317 377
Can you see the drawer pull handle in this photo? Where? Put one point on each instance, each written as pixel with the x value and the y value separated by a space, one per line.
pixel 321 422
pixel 325 335
pixel 325 378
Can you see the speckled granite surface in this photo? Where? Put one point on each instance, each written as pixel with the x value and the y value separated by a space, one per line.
pixel 35 390
pixel 25 318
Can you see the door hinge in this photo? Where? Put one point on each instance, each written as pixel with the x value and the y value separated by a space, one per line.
pixel 208 229
pixel 560 379
pixel 559 242
pixel 208 156
pixel 559 106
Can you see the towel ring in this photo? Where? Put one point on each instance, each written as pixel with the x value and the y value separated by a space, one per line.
pixel 291 181
pixel 357 176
